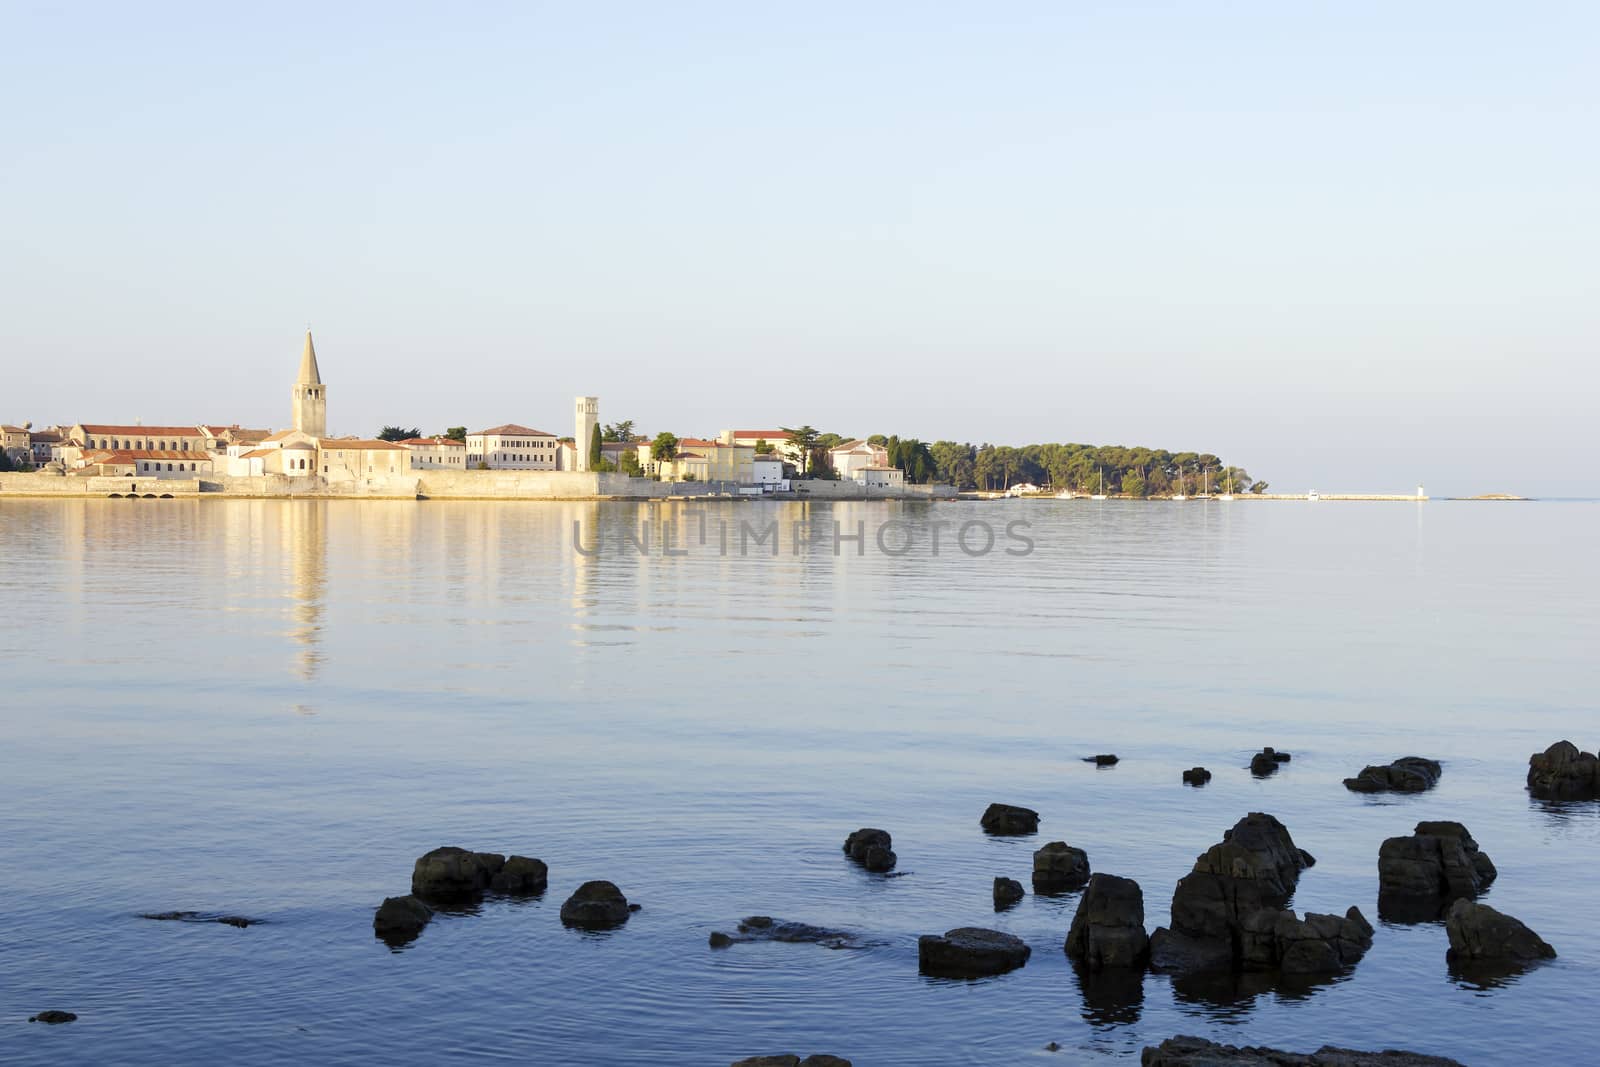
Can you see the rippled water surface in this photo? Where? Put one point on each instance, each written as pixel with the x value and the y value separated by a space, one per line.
pixel 271 708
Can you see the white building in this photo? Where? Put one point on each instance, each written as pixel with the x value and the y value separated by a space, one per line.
pixel 436 453
pixel 853 457
pixel 513 448
pixel 881 477
pixel 346 459
pixel 778 439
pixel 586 418
pixel 767 472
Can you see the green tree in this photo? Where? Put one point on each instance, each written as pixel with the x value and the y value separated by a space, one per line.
pixel 396 433
pixel 5 461
pixel 456 433
pixel 618 431
pixel 804 441
pixel 665 446
pixel 764 447
pixel 604 466
pixel 630 463
pixel 879 440
pixel 595 454
pixel 1133 484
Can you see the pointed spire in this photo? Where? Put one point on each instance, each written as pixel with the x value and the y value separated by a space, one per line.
pixel 309 375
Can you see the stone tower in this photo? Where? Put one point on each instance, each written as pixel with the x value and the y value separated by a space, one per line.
pixel 588 417
pixel 310 395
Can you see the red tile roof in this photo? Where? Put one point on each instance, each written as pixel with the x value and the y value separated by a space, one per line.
pixel 133 455
pixel 434 442
pixel 511 428
pixel 142 431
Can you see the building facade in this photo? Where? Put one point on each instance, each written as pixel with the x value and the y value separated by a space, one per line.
pixel 513 448
pixel 349 459
pixel 585 418
pixel 436 453
pixel 852 457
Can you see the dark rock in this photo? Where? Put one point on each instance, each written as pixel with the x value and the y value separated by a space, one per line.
pixel 1318 944
pixel 766 928
pixel 1479 933
pixel 817 1060
pixel 870 848
pixel 400 919
pixel 1266 761
pixel 1562 772
pixel 970 952
pixel 822 1059
pixel 1007 891
pixel 596 906
pixel 449 872
pixel 1408 774
pixel 53 1017
pixel 1418 876
pixel 1108 927
pixel 1196 776
pixel 521 875
pixel 201 917
pixel 1184 1051
pixel 1060 868
pixel 1105 759
pixel 1008 819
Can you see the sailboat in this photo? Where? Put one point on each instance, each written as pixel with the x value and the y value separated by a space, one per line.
pixel 1205 484
pixel 1228 495
pixel 1312 496
pixel 1101 495
pixel 1179 494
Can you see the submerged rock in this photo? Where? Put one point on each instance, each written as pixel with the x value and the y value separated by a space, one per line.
pixel 1419 876
pixel 1105 759
pixel 870 848
pixel 766 928
pixel 1007 891
pixel 1562 772
pixel 1008 819
pixel 521 875
pixel 451 872
pixel 1108 927
pixel 1060 868
pixel 400 919
pixel 817 1060
pixel 970 952
pixel 53 1017
pixel 1408 774
pixel 596 905
pixel 201 917
pixel 1266 761
pixel 1196 776
pixel 1478 933
pixel 1184 1051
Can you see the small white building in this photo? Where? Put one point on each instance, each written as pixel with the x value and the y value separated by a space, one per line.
pixel 852 457
pixel 353 459
pixel 436 453
pixel 169 464
pixel 513 448
pixel 767 472
pixel 881 477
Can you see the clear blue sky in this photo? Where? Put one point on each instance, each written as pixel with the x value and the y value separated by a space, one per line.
pixel 1350 245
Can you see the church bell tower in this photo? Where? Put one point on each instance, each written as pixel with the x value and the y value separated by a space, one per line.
pixel 310 395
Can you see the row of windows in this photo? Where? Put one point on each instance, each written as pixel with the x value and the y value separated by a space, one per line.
pixel 147 466
pixel 544 444
pixel 160 446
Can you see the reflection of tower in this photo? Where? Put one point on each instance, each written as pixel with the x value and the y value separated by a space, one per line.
pixel 588 417
pixel 310 396
pixel 304 543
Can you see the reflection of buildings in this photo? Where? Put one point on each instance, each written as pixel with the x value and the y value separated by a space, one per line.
pixel 304 544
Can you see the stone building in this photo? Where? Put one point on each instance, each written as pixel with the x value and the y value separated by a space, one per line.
pixel 513 448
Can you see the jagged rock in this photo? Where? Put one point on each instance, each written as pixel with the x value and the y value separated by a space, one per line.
pixel 1060 868
pixel 1196 776
pixel 817 1060
pixel 53 1017
pixel 595 906
pixel 870 848
pixel 1007 891
pixel 201 917
pixel 1418 876
pixel 1562 772
pixel 766 928
pixel 1266 761
pixel 1253 869
pixel 1105 759
pixel 522 875
pixel 1108 927
pixel 1318 944
pixel 1008 819
pixel 1478 933
pixel 1408 774
pixel 1185 1051
pixel 970 952
pixel 400 919
pixel 451 872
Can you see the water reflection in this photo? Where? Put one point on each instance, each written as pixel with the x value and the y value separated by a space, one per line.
pixel 1484 975
pixel 1231 995
pixel 304 542
pixel 1112 996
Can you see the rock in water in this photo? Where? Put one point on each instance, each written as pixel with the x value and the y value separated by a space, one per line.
pixel 1419 876
pixel 870 848
pixel 818 1060
pixel 1478 933
pixel 1266 761
pixel 1408 774
pixel 1060 868
pixel 970 952
pixel 1104 759
pixel 1007 891
pixel 1562 772
pixel 1108 928
pixel 1008 819
pixel 400 919
pixel 522 875
pixel 1196 776
pixel 1317 944
pixel 1184 1051
pixel 451 872
pixel 53 1017
pixel 766 928
pixel 595 906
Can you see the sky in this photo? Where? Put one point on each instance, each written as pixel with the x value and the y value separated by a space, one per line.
pixel 1349 246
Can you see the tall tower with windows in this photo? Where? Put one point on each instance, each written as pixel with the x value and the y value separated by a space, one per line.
pixel 587 418
pixel 310 395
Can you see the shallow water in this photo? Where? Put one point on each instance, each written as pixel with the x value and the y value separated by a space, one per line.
pixel 270 708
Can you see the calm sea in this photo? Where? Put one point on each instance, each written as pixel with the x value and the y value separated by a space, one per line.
pixel 271 708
